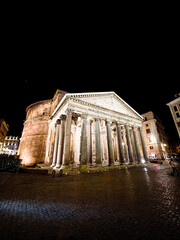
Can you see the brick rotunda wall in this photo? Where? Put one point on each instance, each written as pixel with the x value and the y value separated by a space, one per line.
pixel 34 136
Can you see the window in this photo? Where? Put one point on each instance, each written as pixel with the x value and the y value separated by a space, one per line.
pixel 175 108
pixel 177 115
pixel 148 130
pixel 151 147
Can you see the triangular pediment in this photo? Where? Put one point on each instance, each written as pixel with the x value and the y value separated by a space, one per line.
pixel 108 100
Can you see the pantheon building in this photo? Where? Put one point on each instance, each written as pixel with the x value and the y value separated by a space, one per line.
pixel 97 128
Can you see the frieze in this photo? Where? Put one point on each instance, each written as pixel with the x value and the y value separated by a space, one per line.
pixel 101 110
pixel 79 106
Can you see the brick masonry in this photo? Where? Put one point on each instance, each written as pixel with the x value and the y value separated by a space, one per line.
pixel 34 136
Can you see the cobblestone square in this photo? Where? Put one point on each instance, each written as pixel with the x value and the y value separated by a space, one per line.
pixel 133 203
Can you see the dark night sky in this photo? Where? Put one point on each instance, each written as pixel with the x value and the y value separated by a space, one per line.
pixel 136 59
pixel 142 92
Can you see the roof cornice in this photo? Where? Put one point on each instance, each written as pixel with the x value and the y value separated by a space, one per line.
pixel 91 94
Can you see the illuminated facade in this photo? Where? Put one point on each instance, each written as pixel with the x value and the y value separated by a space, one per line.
pixel 174 107
pixel 3 132
pixel 11 145
pixel 83 128
pixel 155 137
pixel 34 136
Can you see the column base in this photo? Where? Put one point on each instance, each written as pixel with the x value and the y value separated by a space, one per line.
pixel 64 166
pixel 52 165
pixel 104 163
pixel 111 164
pixel 116 163
pixel 130 163
pixel 66 163
pixel 98 164
pixel 58 165
pixel 76 165
pixel 83 167
pixel 83 163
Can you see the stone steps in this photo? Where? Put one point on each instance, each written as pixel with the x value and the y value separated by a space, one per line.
pixel 33 170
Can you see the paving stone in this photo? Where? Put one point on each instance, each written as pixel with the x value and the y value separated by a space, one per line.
pixel 136 203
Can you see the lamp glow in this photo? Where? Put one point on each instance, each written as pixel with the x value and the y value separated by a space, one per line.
pixel 142 160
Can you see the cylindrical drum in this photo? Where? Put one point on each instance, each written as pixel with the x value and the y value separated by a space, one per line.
pixel 34 136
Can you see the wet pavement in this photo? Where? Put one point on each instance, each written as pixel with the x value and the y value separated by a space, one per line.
pixel 135 203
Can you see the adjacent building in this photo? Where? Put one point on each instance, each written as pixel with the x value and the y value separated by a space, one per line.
pixel 174 107
pixel 11 145
pixel 155 137
pixel 3 132
pixel 97 128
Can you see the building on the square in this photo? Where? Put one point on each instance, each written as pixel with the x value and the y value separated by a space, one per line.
pixel 174 107
pixel 4 127
pixel 82 128
pixel 11 145
pixel 155 136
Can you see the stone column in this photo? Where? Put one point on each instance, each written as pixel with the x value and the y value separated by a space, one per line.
pixel 61 141
pixel 56 143
pixel 137 144
pixel 143 144
pixel 77 141
pixel 98 141
pixel 89 159
pixel 110 143
pixel 115 144
pixel 126 155
pixel 105 157
pixel 67 140
pixel 129 145
pixel 83 146
pixel 120 145
pixel 135 158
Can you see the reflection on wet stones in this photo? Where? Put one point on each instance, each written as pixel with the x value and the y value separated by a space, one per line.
pixel 126 204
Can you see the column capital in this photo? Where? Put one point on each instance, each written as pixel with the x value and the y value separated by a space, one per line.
pixel 97 119
pixel 84 115
pixel 136 127
pixel 90 120
pixel 63 117
pixel 58 122
pixel 118 123
pixel 129 125
pixel 108 121
pixel 69 111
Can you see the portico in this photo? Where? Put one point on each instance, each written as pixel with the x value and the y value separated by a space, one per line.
pixel 94 129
